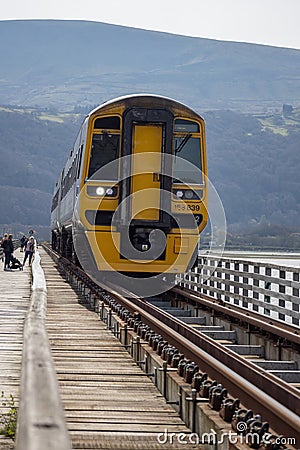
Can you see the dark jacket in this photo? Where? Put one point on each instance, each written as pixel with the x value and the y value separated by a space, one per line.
pixel 8 246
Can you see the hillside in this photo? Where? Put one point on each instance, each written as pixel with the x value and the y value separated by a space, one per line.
pixel 33 150
pixel 59 64
pixel 253 162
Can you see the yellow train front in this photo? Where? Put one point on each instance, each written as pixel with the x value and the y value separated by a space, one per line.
pixel 140 200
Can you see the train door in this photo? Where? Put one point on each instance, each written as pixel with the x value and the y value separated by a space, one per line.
pixel 145 171
pixel 145 176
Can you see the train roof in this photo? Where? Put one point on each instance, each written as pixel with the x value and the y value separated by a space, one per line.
pixel 141 96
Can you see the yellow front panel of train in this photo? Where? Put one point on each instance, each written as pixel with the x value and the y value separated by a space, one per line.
pixel 106 250
pixel 146 167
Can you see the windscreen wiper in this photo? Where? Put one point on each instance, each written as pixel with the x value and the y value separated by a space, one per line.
pixel 183 143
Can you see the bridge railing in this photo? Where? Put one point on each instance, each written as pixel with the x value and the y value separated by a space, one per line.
pixel 269 289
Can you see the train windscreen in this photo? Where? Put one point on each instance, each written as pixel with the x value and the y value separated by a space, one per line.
pixel 187 149
pixel 105 149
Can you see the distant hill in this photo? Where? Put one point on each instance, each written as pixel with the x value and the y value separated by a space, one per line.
pixel 64 63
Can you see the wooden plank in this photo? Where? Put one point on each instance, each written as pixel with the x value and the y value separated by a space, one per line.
pixel 87 404
pixel 128 427
pixel 121 441
pixel 97 417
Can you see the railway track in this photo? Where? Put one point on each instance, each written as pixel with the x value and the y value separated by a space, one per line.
pixel 269 344
pixel 232 378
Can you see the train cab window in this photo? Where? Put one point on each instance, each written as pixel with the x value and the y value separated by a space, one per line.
pixel 105 149
pixel 187 147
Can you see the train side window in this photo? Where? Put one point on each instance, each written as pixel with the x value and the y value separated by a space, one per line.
pixel 79 158
pixel 55 201
pixel 105 149
pixel 62 179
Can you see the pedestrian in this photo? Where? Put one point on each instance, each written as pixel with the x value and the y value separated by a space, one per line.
pixel 8 248
pixel 2 244
pixel 5 236
pixel 23 242
pixel 29 251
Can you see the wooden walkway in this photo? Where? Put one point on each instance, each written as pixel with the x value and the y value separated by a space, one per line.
pixel 14 299
pixel 109 402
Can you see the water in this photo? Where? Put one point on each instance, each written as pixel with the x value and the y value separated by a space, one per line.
pixel 279 258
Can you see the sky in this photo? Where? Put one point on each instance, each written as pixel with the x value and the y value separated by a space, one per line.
pixel 268 22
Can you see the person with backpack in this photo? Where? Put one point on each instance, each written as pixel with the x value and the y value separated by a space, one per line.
pixel 29 250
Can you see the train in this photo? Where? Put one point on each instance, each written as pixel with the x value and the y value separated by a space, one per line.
pixel 132 197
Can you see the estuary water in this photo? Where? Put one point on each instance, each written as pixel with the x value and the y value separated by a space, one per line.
pixel 280 258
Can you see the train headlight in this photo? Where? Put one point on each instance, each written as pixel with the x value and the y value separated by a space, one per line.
pixel 100 190
pixel 188 194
